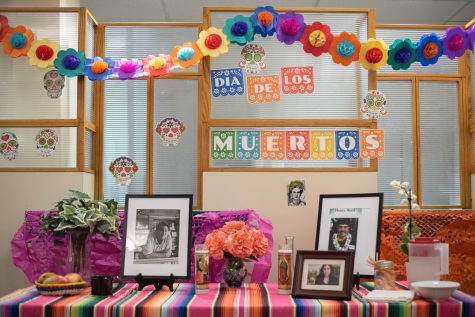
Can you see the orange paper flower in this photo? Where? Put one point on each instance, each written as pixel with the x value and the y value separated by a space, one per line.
pixel 17 41
pixel 213 42
pixel 260 244
pixel 43 53
pixel 215 241
pixel 233 226
pixel 345 49
pixel 240 244
pixel 186 55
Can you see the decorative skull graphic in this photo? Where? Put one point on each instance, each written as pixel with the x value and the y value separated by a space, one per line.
pixel 252 58
pixel 8 145
pixel 170 130
pixel 374 105
pixel 123 169
pixel 54 84
pixel 46 141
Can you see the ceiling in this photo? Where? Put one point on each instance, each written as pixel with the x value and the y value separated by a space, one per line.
pixel 455 12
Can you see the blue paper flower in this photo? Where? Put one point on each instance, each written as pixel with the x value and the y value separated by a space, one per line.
pixel 239 30
pixel 402 53
pixel 264 20
pixel 70 62
pixel 429 49
pixel 98 68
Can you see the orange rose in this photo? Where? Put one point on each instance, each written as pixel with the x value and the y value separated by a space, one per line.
pixel 260 244
pixel 215 242
pixel 240 243
pixel 232 227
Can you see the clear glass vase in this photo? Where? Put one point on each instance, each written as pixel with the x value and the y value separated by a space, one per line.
pixel 234 272
pixel 79 254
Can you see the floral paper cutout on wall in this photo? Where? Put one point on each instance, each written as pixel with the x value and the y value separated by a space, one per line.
pixel 123 169
pixel 253 58
pixel 53 83
pixel 374 105
pixel 170 131
pixel 46 141
pixel 8 145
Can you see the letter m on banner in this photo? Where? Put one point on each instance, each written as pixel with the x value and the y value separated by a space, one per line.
pixel 222 145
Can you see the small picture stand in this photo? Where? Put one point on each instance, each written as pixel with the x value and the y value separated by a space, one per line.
pixel 157 282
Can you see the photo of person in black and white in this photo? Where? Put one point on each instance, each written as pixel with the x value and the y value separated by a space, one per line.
pixel 295 193
pixel 343 234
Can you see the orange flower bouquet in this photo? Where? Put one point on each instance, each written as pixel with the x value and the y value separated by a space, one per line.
pixel 236 243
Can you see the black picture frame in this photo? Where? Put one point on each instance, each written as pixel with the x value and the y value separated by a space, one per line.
pixel 360 216
pixel 146 219
pixel 310 269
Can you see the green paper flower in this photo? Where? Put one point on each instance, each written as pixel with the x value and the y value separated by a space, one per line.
pixel 402 54
pixel 70 62
pixel 239 30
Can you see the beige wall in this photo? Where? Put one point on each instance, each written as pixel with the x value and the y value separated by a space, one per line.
pixel 266 193
pixel 29 191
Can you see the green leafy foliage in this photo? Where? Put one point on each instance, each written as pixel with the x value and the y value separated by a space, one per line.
pixel 80 212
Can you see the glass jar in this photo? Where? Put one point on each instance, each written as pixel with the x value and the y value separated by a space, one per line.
pixel 384 275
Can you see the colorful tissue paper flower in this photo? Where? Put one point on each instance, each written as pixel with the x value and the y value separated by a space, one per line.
pixel 373 54
pixel 157 66
pixel 455 42
pixel 128 68
pixel 402 53
pixel 186 55
pixel 471 36
pixel 316 38
pixel 239 30
pixel 264 20
pixel 4 27
pixel 17 41
pixel 429 49
pixel 213 42
pixel 290 27
pixel 99 69
pixel 345 48
pixel 43 53
pixel 70 62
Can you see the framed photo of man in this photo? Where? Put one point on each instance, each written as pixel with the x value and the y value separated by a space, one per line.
pixel 157 236
pixel 351 222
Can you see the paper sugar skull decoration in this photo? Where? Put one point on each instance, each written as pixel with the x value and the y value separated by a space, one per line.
pixel 170 130
pixel 53 83
pixel 374 105
pixel 46 141
pixel 8 145
pixel 123 169
pixel 252 58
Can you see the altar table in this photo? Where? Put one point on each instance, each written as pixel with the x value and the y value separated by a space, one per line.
pixel 250 300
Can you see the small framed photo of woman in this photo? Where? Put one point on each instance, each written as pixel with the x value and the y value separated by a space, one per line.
pixel 157 236
pixel 323 274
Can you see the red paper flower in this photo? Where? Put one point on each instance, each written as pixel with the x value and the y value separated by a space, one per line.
pixel 316 38
pixel 4 27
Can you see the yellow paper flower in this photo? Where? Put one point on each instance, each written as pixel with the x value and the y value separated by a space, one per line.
pixel 213 42
pixel 373 54
pixel 42 53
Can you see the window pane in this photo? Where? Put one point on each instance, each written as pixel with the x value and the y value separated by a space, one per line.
pixel 88 149
pixel 176 167
pixel 125 134
pixel 397 163
pixel 439 142
pixel 338 89
pixel 89 84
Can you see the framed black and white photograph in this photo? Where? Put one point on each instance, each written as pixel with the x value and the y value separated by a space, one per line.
pixel 157 236
pixel 323 274
pixel 351 222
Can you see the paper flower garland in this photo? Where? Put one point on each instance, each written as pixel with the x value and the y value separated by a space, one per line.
pixel 213 42
pixel 316 38
pixel 43 53
pixel 157 66
pixel 128 68
pixel 471 35
pixel 290 27
pixel 345 49
pixel 429 49
pixel 239 30
pixel 99 69
pixel 455 42
pixel 70 62
pixel 373 54
pixel 4 27
pixel 17 41
pixel 8 145
pixel 186 55
pixel 401 54
pixel 264 20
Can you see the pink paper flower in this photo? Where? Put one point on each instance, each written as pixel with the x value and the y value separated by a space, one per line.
pixel 240 244
pixel 158 65
pixel 128 68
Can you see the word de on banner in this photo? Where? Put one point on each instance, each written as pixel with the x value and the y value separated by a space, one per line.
pixel 227 82
pixel 263 89
pixel 297 80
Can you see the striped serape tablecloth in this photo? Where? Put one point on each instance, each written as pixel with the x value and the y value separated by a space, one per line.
pixel 250 300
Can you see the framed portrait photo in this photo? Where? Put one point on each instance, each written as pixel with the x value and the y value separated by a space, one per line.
pixel 323 274
pixel 351 222
pixel 157 236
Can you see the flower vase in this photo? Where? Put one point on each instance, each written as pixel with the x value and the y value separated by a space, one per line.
pixel 234 272
pixel 79 254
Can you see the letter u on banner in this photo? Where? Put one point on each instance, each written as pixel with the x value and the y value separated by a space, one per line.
pixel 248 145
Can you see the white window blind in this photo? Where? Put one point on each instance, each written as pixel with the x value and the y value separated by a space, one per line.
pixel 89 84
